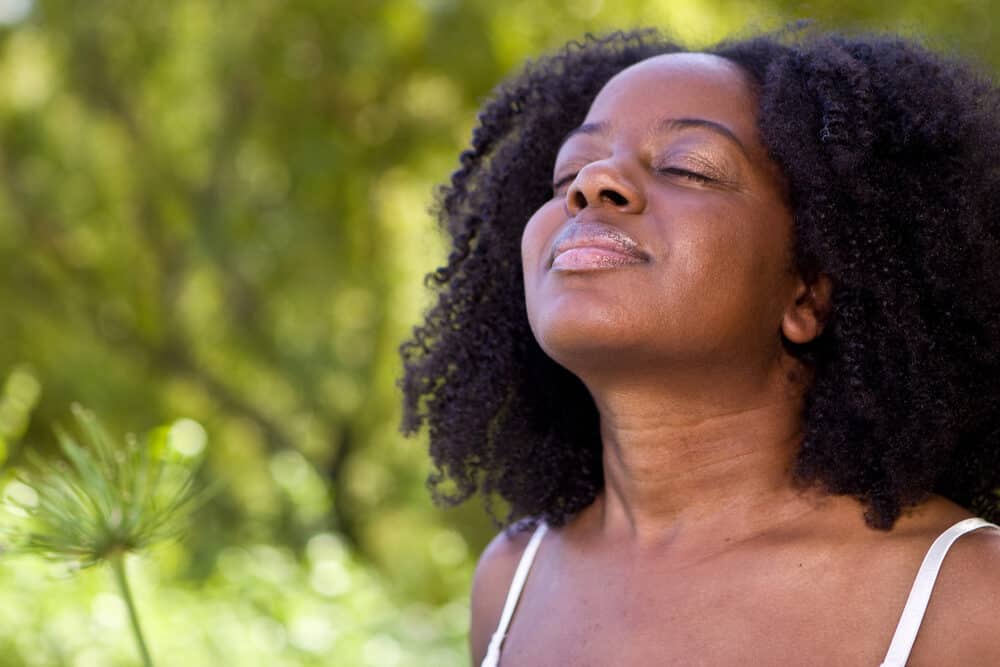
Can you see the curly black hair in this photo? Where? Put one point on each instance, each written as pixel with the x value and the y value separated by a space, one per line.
pixel 892 158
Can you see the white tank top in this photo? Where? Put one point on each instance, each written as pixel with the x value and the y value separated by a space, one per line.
pixel 902 640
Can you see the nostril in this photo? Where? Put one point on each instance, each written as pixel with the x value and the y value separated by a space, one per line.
pixel 579 199
pixel 614 197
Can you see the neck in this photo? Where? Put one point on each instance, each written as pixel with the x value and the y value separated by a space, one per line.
pixel 699 462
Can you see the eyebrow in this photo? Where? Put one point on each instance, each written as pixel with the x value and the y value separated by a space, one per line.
pixel 665 125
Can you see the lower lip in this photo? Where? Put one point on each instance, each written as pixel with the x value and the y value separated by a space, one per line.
pixel 592 259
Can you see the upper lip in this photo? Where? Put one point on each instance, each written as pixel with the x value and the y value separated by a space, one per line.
pixel 595 235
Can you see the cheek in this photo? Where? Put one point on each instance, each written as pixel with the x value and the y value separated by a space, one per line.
pixel 732 240
pixel 728 268
pixel 536 239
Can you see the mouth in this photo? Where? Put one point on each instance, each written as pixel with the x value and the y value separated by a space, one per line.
pixel 592 245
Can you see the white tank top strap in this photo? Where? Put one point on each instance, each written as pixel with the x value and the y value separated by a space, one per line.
pixel 920 593
pixel 492 658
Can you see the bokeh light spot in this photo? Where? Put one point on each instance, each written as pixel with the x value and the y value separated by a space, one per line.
pixel 312 633
pixel 325 546
pixel 14 11
pixel 187 437
pixel 20 495
pixel 330 578
pixel 381 651
pixel 108 611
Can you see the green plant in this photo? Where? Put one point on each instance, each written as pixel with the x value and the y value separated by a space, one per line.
pixel 103 502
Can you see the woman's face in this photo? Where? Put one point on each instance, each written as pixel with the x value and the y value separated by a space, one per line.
pixel 668 238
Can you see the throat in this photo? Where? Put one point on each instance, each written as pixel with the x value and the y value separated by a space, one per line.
pixel 727 478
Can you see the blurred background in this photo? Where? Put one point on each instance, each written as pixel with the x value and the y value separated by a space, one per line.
pixel 213 217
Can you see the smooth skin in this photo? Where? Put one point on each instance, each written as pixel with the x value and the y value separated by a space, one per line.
pixel 702 549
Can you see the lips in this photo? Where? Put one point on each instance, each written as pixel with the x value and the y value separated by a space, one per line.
pixel 586 245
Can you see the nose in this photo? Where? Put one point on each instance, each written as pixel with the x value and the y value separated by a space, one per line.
pixel 603 184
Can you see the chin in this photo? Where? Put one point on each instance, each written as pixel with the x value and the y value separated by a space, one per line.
pixel 580 336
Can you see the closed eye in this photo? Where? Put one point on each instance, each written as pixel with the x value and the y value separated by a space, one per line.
pixel 685 173
pixel 562 182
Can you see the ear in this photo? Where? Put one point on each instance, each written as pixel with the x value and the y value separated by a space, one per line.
pixel 804 319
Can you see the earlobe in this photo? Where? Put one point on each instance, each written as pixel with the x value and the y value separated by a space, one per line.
pixel 804 319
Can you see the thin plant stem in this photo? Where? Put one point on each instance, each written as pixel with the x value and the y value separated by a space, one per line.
pixel 117 561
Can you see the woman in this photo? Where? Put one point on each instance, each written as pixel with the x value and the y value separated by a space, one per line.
pixel 723 329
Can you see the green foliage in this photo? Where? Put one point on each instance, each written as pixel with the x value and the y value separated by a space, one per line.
pixel 110 499
pixel 263 605
pixel 18 398
pixel 217 211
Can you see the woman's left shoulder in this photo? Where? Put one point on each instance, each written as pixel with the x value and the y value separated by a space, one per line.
pixel 971 570
pixel 961 623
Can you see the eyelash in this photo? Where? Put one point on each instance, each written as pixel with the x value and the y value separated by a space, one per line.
pixel 565 180
pixel 685 173
pixel 675 171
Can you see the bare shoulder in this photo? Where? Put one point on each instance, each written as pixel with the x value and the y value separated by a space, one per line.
pixel 490 583
pixel 961 624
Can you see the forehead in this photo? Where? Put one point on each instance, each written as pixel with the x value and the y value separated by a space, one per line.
pixel 680 85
